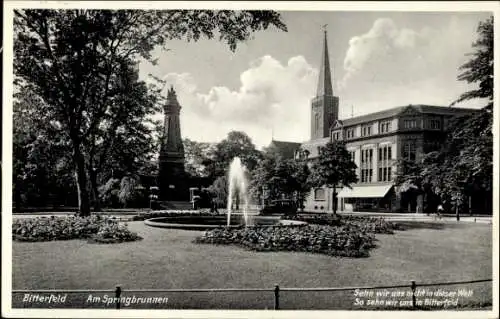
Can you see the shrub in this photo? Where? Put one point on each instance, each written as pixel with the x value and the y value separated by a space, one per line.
pixel 65 228
pixel 345 241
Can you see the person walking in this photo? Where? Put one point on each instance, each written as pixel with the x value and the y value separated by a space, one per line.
pixel 440 211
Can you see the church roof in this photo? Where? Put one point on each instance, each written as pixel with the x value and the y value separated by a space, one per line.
pixel 284 148
pixel 325 77
pixel 400 110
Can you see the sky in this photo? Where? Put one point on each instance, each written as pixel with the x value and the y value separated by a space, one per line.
pixel 379 60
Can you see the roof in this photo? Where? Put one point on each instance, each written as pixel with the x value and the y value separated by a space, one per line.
pixel 284 148
pixel 312 145
pixel 420 108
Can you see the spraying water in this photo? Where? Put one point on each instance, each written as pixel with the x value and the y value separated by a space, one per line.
pixel 237 188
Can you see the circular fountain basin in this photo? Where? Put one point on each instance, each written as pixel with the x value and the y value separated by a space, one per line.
pixel 211 222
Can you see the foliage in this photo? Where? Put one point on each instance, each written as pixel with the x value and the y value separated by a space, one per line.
pixel 479 69
pixel 344 241
pixel 109 192
pixel 236 144
pixel 219 191
pixel 333 168
pixel 83 65
pixel 196 154
pixel 111 233
pixel 65 228
pixel 128 190
pixel 275 177
pixel 464 165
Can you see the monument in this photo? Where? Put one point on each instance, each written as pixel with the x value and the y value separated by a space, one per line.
pixel 172 175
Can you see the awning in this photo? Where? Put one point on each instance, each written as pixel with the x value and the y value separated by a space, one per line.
pixel 365 191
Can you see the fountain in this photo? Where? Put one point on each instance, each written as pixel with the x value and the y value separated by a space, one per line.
pixel 237 194
pixel 237 187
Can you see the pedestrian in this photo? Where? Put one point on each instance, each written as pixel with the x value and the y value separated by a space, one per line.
pixel 440 210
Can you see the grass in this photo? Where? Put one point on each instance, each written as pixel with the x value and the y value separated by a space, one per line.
pixel 167 258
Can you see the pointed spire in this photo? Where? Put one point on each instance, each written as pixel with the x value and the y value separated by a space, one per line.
pixel 325 76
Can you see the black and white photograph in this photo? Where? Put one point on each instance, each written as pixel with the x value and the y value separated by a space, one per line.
pixel 253 159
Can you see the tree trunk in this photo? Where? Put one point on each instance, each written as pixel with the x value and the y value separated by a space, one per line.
pixel 95 189
pixel 334 200
pixel 81 182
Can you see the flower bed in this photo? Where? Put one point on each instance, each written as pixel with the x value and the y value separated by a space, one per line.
pixel 367 224
pixel 342 241
pixel 95 228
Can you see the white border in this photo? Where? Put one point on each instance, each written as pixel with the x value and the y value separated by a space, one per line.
pixel 491 6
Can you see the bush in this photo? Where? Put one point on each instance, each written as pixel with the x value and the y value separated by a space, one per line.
pixel 70 227
pixel 344 241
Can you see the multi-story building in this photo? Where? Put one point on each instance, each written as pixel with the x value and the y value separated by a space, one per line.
pixel 376 142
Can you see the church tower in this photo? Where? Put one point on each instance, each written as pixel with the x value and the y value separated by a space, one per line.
pixel 325 106
pixel 172 174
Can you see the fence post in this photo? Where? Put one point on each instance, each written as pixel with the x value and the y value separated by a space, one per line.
pixel 118 292
pixel 276 297
pixel 413 298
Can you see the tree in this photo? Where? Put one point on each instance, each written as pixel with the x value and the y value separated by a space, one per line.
pixel 333 168
pixel 275 177
pixel 480 68
pixel 463 167
pixel 78 60
pixel 236 144
pixel 219 190
pixel 41 168
pixel 196 154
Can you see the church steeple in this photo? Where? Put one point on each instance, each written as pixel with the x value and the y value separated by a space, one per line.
pixel 325 76
pixel 325 106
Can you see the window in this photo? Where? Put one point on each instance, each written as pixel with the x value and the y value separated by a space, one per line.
pixel 336 136
pixel 409 151
pixel 366 165
pixel 410 123
pixel 366 130
pixel 319 194
pixel 385 127
pixel 349 133
pixel 316 121
pixel 384 163
pixel 435 124
pixel 319 150
pixel 352 154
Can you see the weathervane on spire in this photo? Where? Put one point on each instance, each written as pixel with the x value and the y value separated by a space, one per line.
pixel 324 26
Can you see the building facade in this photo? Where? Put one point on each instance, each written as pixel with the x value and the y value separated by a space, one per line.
pixel 376 142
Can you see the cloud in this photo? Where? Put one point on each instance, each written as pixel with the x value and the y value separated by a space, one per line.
pixel 394 66
pixel 380 42
pixel 272 97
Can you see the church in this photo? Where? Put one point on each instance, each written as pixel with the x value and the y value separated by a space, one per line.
pixel 375 141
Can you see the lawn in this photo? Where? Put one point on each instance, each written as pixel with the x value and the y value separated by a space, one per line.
pixel 167 258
